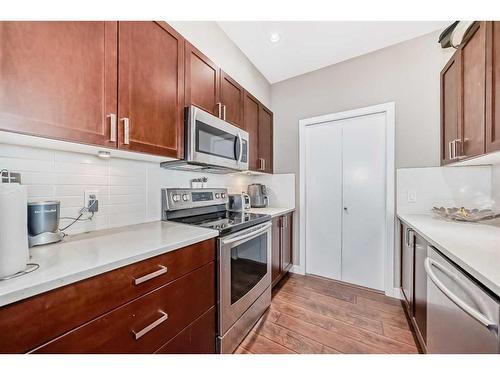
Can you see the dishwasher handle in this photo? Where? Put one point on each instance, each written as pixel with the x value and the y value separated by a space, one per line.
pixel 477 315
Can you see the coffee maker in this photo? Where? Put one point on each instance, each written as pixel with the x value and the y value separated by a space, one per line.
pixel 258 195
pixel 43 223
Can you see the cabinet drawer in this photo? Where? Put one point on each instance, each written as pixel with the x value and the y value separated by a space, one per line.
pixel 145 324
pixel 27 324
pixel 197 338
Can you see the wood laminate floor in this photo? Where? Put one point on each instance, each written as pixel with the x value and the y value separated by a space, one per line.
pixel 314 315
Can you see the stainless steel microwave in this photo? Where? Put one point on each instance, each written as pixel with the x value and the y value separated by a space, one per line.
pixel 211 145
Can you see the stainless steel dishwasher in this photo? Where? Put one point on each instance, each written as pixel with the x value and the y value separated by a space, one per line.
pixel 462 317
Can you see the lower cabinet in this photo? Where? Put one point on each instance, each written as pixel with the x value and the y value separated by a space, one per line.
pixel 134 309
pixel 282 250
pixel 414 281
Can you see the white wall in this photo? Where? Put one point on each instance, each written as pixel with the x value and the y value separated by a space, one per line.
pixel 406 73
pixel 209 38
pixel 470 187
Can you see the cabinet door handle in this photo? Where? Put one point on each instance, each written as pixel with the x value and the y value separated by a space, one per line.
pixel 151 275
pixel 126 130
pixel 450 150
pixel 112 124
pixel 262 166
pixel 219 110
pixel 224 112
pixel 156 323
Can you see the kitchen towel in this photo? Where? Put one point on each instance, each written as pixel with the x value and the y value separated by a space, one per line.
pixel 14 253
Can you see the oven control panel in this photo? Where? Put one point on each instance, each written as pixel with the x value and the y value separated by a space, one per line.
pixel 180 199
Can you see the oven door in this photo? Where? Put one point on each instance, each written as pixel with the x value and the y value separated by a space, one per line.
pixel 244 261
pixel 213 141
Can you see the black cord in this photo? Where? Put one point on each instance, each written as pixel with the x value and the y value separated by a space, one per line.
pixel 78 218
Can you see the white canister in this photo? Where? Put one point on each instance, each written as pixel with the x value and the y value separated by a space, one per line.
pixel 14 253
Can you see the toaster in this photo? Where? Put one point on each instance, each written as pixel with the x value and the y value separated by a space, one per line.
pixel 238 202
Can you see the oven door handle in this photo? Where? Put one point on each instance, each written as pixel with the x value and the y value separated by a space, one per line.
pixel 247 236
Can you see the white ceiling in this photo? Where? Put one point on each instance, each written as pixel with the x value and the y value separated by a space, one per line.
pixel 305 46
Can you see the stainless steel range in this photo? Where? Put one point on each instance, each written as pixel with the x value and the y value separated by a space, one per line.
pixel 243 257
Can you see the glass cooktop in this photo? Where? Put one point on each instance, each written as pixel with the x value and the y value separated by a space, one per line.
pixel 225 221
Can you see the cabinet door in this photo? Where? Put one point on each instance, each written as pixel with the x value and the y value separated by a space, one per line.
pixel 492 86
pixel 407 259
pixel 449 108
pixel 251 116
pixel 286 242
pixel 151 88
pixel 202 81
pixel 276 249
pixel 420 290
pixel 266 140
pixel 58 79
pixel 473 93
pixel 231 96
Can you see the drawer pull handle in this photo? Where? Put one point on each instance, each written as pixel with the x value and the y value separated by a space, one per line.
pixel 156 323
pixel 151 275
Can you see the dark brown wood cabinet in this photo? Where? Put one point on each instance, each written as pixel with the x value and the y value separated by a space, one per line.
pixel 118 85
pixel 59 79
pixel 151 88
pixel 266 140
pixel 420 291
pixel 470 108
pixel 282 246
pixel 492 86
pixel 44 320
pixel 414 281
pixel 449 108
pixel 202 79
pixel 251 111
pixel 231 97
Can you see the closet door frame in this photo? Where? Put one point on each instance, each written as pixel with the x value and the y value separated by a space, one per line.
pixel 390 265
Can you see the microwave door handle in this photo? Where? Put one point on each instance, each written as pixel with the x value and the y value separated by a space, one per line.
pixel 241 148
pixel 477 315
pixel 247 236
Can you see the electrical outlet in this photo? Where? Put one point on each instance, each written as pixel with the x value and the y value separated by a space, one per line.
pixel 412 196
pixel 91 200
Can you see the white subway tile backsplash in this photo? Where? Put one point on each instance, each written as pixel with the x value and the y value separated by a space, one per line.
pixel 128 190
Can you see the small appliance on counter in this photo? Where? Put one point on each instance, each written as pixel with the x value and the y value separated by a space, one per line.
pixel 239 202
pixel 14 253
pixel 43 223
pixel 258 195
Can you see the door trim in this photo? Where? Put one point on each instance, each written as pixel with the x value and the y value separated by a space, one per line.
pixel 389 110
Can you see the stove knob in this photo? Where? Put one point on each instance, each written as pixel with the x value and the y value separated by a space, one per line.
pixel 176 197
pixel 217 195
pixel 223 195
pixel 185 197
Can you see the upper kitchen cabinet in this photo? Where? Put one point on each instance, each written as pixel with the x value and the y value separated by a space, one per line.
pixel 472 55
pixel 231 97
pixel 201 81
pixel 265 140
pixel 59 80
pixel 492 86
pixel 251 111
pixel 449 109
pixel 151 88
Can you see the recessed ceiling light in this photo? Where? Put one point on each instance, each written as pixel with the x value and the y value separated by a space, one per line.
pixel 274 38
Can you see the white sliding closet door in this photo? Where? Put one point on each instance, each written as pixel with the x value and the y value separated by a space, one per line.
pixel 324 200
pixel 345 200
pixel 364 181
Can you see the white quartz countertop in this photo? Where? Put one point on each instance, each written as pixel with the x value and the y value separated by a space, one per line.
pixel 475 247
pixel 85 255
pixel 273 211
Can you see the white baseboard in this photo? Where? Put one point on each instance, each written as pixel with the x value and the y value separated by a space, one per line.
pixel 297 269
pixel 396 293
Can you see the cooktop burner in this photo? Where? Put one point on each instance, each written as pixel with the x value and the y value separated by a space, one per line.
pixel 225 221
